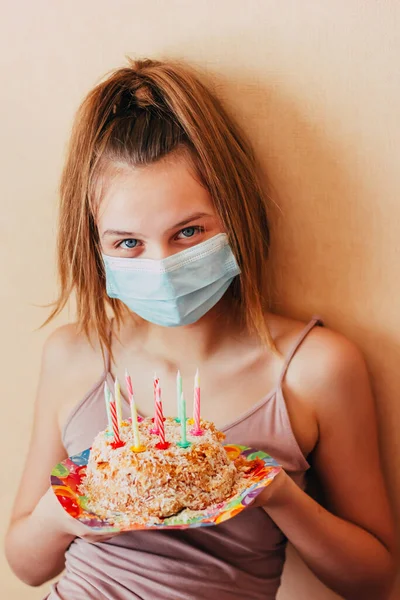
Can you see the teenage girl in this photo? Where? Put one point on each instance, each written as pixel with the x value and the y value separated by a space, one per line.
pixel 164 240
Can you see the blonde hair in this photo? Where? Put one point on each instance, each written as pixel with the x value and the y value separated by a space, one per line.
pixel 136 116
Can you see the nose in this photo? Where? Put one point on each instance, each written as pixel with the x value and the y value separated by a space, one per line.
pixel 158 251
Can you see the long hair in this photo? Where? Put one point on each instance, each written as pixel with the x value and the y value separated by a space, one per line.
pixel 137 115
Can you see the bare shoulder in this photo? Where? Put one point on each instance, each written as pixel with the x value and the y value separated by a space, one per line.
pixel 323 358
pixel 326 379
pixel 68 342
pixel 71 358
pixel 329 365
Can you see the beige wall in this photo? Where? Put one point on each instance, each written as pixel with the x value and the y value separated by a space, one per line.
pixel 317 86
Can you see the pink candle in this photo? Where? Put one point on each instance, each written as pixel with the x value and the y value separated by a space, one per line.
pixel 155 386
pixel 137 446
pixel 196 406
pixel 128 384
pixel 130 391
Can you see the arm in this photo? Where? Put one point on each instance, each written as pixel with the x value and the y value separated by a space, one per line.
pixel 34 547
pixel 40 530
pixel 350 544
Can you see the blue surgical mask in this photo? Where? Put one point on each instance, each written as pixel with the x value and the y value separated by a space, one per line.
pixel 177 290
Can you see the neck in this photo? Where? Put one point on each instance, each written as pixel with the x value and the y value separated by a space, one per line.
pixel 188 345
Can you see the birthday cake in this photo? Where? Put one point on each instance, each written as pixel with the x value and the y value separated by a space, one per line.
pixel 146 484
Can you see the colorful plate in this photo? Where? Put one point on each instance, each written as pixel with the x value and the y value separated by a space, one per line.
pixel 67 475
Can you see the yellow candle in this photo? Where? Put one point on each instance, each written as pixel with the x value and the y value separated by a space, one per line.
pixel 135 426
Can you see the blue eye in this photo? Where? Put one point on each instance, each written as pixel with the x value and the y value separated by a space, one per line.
pixel 189 232
pixel 129 244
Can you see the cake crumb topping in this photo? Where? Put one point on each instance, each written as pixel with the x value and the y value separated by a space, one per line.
pixel 123 486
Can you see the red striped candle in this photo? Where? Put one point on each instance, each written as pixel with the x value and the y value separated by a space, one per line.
pixel 156 386
pixel 161 428
pixel 118 404
pixel 117 443
pixel 162 444
pixel 159 412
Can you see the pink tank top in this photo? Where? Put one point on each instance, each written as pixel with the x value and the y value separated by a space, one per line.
pixel 241 558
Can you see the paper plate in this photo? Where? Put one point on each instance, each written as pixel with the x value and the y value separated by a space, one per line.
pixel 67 475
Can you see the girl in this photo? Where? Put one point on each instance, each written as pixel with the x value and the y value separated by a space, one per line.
pixel 164 239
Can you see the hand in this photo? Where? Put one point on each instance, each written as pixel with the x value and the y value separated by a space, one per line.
pixel 271 494
pixel 52 514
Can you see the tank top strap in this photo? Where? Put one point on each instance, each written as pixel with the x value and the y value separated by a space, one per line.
pixel 315 320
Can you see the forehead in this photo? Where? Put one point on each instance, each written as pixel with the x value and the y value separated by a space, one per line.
pixel 169 183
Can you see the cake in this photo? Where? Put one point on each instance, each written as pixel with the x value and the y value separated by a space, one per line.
pixel 148 486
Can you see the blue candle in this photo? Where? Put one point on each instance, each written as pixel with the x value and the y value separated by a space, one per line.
pixel 183 443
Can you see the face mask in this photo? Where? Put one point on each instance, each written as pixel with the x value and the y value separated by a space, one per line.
pixel 177 290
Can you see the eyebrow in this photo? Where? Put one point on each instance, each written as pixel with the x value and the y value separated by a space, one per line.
pixel 132 234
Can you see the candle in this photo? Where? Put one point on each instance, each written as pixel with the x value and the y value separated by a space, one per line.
pixel 117 394
pixel 117 443
pixel 162 444
pixel 156 384
pixel 178 396
pixel 107 397
pixel 183 443
pixel 137 447
pixel 128 383
pixel 159 411
pixel 130 391
pixel 135 427
pixel 196 406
